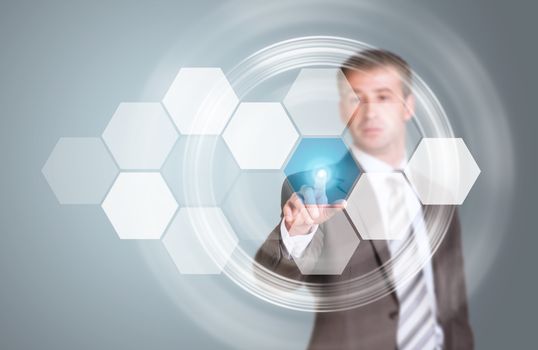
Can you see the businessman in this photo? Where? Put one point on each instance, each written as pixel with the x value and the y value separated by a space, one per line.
pixel 430 310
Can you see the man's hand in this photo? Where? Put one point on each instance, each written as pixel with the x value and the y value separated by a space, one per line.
pixel 307 208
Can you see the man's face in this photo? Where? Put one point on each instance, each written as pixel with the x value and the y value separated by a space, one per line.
pixel 378 124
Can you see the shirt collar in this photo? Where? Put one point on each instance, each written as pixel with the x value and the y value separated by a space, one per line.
pixel 370 163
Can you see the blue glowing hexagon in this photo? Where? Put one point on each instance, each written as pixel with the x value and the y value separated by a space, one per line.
pixel 326 165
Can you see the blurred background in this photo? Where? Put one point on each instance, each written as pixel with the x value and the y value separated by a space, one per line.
pixel 67 281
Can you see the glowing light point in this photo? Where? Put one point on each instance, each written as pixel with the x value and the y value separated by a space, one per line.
pixel 320 179
pixel 321 174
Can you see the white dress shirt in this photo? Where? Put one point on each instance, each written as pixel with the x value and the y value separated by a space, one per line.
pixel 296 245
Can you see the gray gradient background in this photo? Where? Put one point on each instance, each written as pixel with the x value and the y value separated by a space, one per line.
pixel 67 282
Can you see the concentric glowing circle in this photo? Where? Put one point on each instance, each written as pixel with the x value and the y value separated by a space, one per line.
pixel 321 297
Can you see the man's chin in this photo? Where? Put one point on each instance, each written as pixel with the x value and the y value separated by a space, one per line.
pixel 371 147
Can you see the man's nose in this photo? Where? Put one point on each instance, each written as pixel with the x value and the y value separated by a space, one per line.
pixel 369 110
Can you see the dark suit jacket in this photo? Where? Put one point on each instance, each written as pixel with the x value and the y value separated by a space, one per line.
pixel 374 325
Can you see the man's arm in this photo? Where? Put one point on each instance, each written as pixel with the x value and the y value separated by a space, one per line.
pixel 296 245
pixel 462 336
pixel 275 255
pixel 451 289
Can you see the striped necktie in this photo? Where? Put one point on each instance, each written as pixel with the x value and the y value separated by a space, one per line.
pixel 417 322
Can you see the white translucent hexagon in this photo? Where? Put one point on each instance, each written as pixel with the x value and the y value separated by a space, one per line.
pixel 260 135
pixel 200 101
pixel 80 170
pixel 139 205
pixel 331 248
pixel 442 171
pixel 208 180
pixel 376 211
pixel 314 101
pixel 140 135
pixel 200 240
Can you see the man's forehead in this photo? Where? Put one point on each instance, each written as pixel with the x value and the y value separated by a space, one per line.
pixel 375 79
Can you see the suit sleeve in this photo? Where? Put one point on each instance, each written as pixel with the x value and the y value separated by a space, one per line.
pixel 456 321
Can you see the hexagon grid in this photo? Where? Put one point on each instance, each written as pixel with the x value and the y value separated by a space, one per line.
pixel 260 135
pixel 323 163
pixel 200 101
pixel 139 205
pixel 442 171
pixel 314 98
pixel 189 240
pixel 80 170
pixel 140 135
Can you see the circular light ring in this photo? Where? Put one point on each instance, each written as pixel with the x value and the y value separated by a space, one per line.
pixel 319 297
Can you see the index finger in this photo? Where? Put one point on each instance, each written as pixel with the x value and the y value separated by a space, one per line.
pixel 320 181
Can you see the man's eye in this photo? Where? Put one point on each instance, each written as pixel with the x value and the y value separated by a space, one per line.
pixel 383 98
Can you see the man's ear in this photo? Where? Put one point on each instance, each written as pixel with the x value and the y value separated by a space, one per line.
pixel 409 107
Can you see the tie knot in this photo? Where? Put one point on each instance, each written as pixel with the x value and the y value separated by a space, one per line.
pixel 395 183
